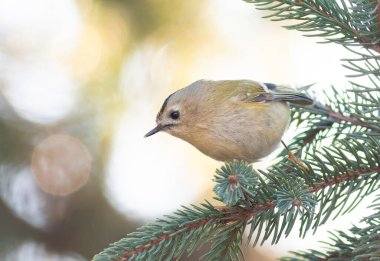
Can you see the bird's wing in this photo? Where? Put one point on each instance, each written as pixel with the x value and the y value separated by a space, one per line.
pixel 265 92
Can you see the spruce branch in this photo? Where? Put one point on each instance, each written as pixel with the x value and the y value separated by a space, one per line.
pixel 281 199
pixel 359 243
pixel 235 182
pixel 332 20
pixel 331 120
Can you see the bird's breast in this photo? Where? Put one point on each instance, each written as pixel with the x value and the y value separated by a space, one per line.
pixel 245 132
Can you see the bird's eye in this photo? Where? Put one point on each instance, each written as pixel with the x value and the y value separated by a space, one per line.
pixel 174 115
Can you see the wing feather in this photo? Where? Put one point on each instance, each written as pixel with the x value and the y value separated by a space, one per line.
pixel 273 92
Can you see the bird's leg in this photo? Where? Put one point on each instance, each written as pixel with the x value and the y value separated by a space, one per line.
pixel 294 159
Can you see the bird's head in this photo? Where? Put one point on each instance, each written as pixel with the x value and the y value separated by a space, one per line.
pixel 175 115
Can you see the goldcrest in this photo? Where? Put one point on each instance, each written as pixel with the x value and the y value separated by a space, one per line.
pixel 226 120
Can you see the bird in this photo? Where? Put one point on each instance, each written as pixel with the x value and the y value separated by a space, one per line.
pixel 230 119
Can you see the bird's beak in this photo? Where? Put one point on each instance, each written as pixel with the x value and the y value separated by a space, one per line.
pixel 154 131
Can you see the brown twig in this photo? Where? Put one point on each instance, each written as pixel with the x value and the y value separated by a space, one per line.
pixel 230 239
pixel 126 255
pixel 337 116
pixel 342 178
pixel 309 138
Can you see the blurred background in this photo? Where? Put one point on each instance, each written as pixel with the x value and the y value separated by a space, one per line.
pixel 81 83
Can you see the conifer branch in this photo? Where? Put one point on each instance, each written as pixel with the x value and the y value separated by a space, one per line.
pixel 349 175
pixel 251 209
pixel 336 21
pixel 359 243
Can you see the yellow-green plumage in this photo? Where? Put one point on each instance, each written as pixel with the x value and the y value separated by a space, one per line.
pixel 228 120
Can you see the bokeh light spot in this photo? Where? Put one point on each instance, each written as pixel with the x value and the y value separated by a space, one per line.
pixel 61 164
pixel 42 92
pixel 21 194
pixel 32 250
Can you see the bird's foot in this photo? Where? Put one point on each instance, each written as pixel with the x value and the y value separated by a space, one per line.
pixel 297 161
